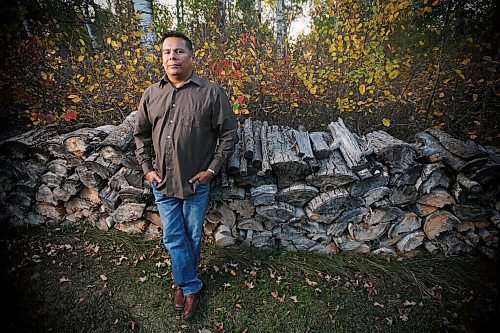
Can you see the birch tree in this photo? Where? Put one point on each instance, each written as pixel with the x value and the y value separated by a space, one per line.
pixel 145 9
pixel 88 25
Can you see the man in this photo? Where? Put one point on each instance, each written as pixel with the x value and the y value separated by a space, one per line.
pixel 188 123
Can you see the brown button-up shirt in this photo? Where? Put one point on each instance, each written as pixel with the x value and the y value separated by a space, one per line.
pixel 189 129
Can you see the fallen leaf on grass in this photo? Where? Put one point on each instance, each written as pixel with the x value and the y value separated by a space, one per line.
pixel 378 304
pixel 64 279
pixel 408 303
pixel 103 277
pixel 294 299
pixel 276 296
pixel 311 283
pixel 249 285
pixel 142 279
pixel 226 285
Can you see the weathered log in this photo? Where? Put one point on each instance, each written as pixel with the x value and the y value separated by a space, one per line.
pixel 91 196
pixel 280 212
pixel 58 167
pixel 374 195
pixel 348 145
pixel 266 165
pixel 409 177
pixel 297 195
pixel 303 145
pixel 233 165
pixel 128 212
pixel 244 208
pixel 410 241
pixel 365 232
pixel 465 150
pixel 438 197
pixel 409 222
pixel 333 173
pixel 320 142
pixel 433 175
pixel 403 195
pixel 439 222
pixel 382 215
pixel 77 204
pixel 110 198
pixel 114 145
pixel 131 194
pixel 138 226
pixel 257 156
pixel 51 179
pixel 223 236
pixel 399 155
pixel 72 184
pixel 227 216
pixel 346 243
pixel 118 180
pixel 431 150
pixel 422 210
pixel 332 202
pixel 313 165
pixel 44 194
pixel 22 145
pixel 485 171
pixel 250 224
pixel 451 244
pixel 264 194
pixel 61 195
pixel 95 170
pixel 469 184
pixel 82 141
pixel 51 212
pixel 248 140
pixel 243 166
pixel 470 198
pixel 286 165
pixel 472 212
pixel 263 239
pixel 369 180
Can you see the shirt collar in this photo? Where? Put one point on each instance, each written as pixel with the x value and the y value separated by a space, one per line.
pixel 194 78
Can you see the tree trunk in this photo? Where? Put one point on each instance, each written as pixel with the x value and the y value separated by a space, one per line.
pixel 145 9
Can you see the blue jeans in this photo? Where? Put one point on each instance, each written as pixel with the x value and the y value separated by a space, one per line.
pixel 182 230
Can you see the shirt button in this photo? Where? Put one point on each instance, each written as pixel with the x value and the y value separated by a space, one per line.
pixel 168 137
pixel 173 105
pixel 171 121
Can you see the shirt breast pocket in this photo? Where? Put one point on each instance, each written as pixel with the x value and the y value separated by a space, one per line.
pixel 197 117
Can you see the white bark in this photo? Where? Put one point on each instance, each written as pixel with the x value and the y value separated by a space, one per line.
pixel 280 28
pixel 88 25
pixel 145 8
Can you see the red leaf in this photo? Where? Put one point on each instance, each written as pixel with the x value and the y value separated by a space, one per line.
pixel 241 99
pixel 70 115
pixel 238 74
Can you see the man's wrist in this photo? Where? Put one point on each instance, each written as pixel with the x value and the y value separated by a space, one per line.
pixel 211 171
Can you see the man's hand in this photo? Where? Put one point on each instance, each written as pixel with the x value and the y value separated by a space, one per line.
pixel 203 177
pixel 152 177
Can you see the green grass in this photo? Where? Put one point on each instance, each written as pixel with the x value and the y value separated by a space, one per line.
pixel 80 279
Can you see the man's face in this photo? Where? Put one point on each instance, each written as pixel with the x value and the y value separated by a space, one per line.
pixel 177 59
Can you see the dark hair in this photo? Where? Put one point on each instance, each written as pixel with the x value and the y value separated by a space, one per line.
pixel 178 34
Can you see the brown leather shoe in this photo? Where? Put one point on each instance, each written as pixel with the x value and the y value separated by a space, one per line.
pixel 190 305
pixel 178 301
